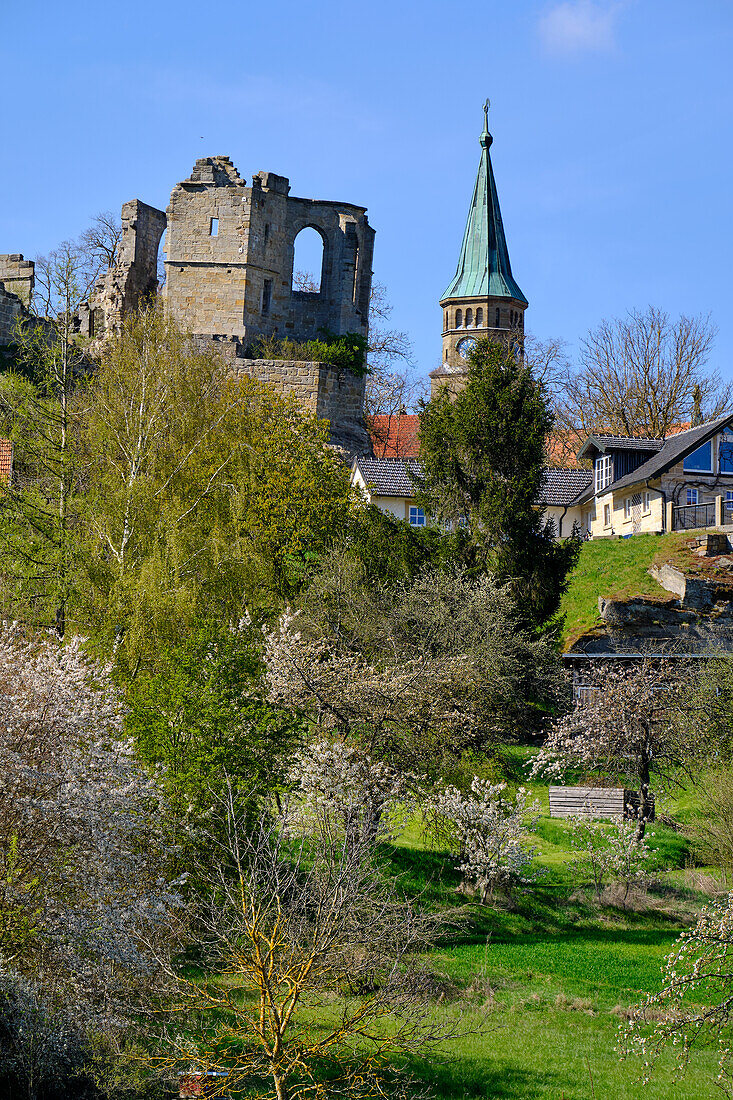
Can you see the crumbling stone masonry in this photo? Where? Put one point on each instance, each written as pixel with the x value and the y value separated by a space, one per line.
pixel 230 252
pixel 17 275
pixel 319 388
pixel 134 276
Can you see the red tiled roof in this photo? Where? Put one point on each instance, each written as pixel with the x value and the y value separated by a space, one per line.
pixel 6 461
pixel 395 435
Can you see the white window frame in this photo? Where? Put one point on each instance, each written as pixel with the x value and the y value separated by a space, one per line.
pixel 646 503
pixel 419 514
pixel 692 493
pixel 627 507
pixel 606 515
pixel 603 472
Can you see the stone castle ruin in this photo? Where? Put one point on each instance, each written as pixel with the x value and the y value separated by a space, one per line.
pixel 229 254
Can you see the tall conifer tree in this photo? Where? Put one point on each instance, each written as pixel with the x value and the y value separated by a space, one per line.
pixel 483 452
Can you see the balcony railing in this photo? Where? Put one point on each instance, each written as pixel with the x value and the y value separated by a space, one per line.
pixel 686 517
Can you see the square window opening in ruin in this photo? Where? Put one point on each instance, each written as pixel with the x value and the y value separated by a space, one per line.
pixel 266 296
pixel 214 228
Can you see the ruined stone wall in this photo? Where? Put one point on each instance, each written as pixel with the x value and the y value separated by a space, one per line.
pixel 134 276
pixel 18 275
pixel 320 389
pixel 11 308
pixel 230 252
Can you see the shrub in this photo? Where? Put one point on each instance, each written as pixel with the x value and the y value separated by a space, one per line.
pixel 346 352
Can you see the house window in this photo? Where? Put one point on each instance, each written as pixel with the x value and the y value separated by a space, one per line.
pixel 692 495
pixel 728 506
pixel 603 472
pixel 214 227
pixel 700 460
pixel 647 503
pixel 266 296
pixel 417 516
pixel 725 452
pixel 627 508
pixel 606 515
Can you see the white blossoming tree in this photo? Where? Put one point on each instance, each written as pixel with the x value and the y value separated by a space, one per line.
pixel 490 832
pixel 694 1007
pixel 338 784
pixel 82 853
pixel 624 729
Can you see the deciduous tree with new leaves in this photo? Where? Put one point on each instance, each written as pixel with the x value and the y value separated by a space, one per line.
pixel 311 983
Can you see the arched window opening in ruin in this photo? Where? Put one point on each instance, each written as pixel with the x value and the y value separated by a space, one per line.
pixel 459 318
pixel 308 261
pixel 469 317
pixel 479 317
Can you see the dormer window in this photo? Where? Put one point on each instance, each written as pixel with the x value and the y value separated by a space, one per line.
pixel 604 472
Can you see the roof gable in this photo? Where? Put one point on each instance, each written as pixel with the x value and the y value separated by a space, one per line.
pixel 676 448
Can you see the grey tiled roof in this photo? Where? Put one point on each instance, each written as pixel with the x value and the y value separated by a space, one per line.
pixel 675 448
pixel 389 477
pixel 563 485
pixel 619 443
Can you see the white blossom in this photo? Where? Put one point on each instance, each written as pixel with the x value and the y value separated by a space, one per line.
pixel 82 854
pixel 490 833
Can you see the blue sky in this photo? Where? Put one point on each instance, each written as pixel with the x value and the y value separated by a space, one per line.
pixel 611 122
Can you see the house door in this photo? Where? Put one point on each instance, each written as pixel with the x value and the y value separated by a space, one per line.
pixel 636 513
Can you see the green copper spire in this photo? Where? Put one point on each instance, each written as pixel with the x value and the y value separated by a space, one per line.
pixel 483 266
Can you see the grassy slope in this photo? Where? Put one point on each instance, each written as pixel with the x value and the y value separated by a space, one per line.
pixel 616 568
pixel 542 985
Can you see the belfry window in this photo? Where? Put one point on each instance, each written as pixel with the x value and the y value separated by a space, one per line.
pixel 479 317
pixel 498 315
pixel 459 318
pixel 469 317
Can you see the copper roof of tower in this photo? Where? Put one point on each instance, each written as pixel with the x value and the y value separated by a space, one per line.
pixel 483 265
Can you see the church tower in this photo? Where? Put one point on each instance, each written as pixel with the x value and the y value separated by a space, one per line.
pixel 482 299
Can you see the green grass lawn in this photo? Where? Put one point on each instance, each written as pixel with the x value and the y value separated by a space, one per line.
pixel 542 984
pixel 613 568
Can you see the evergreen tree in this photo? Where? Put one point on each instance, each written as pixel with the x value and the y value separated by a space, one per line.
pixel 483 458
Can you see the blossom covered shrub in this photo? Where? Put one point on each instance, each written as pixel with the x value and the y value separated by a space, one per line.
pixel 490 833
pixel 624 727
pixel 83 888
pixel 612 850
pixel 339 785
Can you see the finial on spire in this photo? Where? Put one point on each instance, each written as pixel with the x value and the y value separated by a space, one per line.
pixel 486 138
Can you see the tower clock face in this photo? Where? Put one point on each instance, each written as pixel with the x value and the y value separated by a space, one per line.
pixel 465 347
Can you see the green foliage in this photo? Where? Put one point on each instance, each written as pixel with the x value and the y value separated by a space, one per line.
pixel 203 498
pixel 203 716
pixel 346 352
pixel 390 550
pixel 483 456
